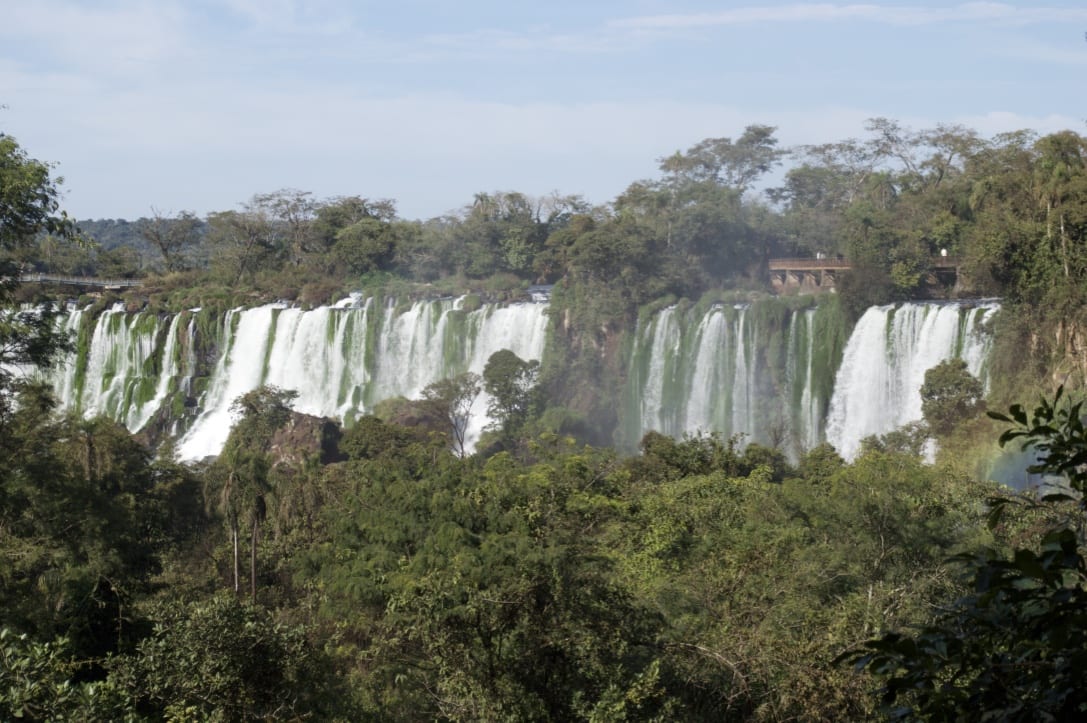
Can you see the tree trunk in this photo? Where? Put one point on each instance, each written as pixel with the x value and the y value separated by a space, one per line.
pixel 1064 246
pixel 234 537
pixel 253 563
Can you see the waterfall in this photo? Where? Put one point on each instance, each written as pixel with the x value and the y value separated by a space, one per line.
pixel 122 374
pixel 713 340
pixel 788 376
pixel 877 387
pixel 800 368
pixel 341 359
pixel 781 372
pixel 748 369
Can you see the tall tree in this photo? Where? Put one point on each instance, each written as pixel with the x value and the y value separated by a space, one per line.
pixel 242 242
pixel 725 162
pixel 452 400
pixel 1062 191
pixel 29 205
pixel 29 198
pixel 292 211
pixel 239 481
pixel 511 382
pixel 174 237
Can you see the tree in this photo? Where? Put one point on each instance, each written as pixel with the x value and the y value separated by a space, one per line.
pixel 71 492
pixel 29 198
pixel 480 594
pixel 291 211
pixel 736 164
pixel 260 413
pixel 950 395
pixel 172 237
pixel 817 192
pixel 453 400
pixel 338 213
pixel 238 482
pixel 81 534
pixel 219 659
pixel 29 203
pixel 366 245
pixel 511 383
pixel 1015 646
pixel 37 683
pixel 1061 173
pixel 242 242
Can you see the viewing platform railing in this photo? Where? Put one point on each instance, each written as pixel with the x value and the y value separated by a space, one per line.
pixel 80 281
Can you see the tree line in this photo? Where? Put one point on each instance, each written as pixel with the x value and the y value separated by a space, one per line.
pixel 1011 207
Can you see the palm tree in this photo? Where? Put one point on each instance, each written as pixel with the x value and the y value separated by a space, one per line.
pixel 242 485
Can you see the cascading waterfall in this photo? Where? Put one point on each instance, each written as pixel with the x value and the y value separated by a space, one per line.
pixel 733 369
pixel 64 377
pixel 117 377
pixel 772 373
pixel 340 360
pixel 743 380
pixel 776 371
pixel 800 378
pixel 877 387
pixel 343 361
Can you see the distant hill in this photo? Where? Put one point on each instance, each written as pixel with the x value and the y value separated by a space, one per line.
pixel 110 233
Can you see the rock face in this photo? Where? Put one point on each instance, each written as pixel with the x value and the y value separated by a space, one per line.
pixel 306 437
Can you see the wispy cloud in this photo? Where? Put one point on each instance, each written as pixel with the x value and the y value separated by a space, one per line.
pixel 123 35
pixel 1048 54
pixel 293 17
pixel 829 12
pixel 532 41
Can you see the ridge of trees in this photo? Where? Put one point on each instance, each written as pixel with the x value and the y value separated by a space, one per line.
pixel 1011 207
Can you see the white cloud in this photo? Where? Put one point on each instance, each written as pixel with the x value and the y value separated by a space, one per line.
pixel 123 37
pixel 293 17
pixel 142 106
pixel 990 124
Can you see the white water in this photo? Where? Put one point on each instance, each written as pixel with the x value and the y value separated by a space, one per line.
pixel 340 367
pixel 713 339
pixel 877 387
pixel 714 370
pixel 341 360
pixel 801 379
pixel 688 372
pixel 119 363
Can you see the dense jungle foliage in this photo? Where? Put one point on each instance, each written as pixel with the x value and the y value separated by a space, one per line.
pixel 382 573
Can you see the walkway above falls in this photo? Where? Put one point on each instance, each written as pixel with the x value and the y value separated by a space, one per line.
pixel 84 281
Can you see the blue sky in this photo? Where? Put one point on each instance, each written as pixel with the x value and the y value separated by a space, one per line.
pixel 199 104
